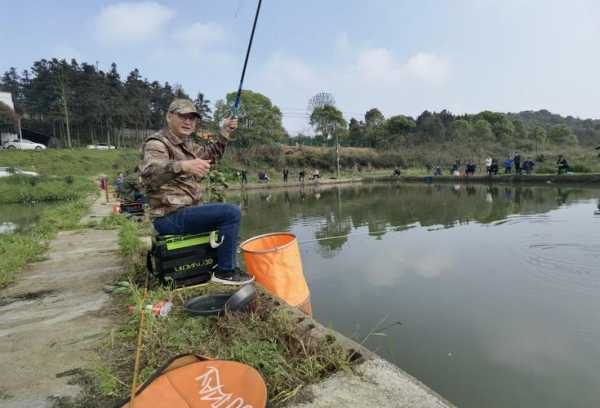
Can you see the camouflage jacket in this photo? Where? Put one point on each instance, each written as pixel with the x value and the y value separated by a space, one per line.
pixel 167 186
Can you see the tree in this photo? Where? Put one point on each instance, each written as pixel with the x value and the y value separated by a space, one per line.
pixel 482 132
pixel 374 118
pixel 326 120
pixel 538 134
pixel 431 128
pixel 260 121
pixel 329 121
pixel 203 106
pixel 11 82
pixel 520 132
pixel 398 127
pixel 179 92
pixel 562 134
pixel 504 131
pixel 491 117
pixel 446 117
pixel 374 127
pixel 461 131
pixel 115 99
pixel 400 124
pixel 356 133
pixel 8 117
pixel 137 100
pixel 71 99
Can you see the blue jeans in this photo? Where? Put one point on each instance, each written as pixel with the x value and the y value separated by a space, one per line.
pixel 205 218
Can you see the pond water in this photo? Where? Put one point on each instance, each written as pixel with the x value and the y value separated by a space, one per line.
pixel 496 288
pixel 15 217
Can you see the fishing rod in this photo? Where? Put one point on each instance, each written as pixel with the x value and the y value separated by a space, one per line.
pixel 235 110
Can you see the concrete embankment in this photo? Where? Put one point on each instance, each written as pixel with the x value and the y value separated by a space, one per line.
pixel 533 179
pixel 529 179
pixel 281 184
pixel 50 319
pixel 373 382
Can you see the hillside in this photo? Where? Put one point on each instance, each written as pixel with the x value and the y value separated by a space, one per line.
pixel 586 130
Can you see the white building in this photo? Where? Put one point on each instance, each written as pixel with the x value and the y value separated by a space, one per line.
pixel 7 134
pixel 6 98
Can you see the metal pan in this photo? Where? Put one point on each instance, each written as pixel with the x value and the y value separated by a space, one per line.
pixel 217 304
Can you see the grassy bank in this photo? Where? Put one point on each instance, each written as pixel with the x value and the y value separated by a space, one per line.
pixel 70 162
pixel 354 161
pixel 28 190
pixel 66 181
pixel 268 338
pixel 29 243
pixel 413 161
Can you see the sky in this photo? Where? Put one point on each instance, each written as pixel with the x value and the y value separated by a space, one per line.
pixel 400 56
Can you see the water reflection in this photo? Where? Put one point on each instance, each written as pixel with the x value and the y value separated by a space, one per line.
pixel 384 208
pixel 496 285
pixel 7 227
pixel 15 217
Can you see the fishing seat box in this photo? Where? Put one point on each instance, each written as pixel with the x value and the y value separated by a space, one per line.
pixel 182 260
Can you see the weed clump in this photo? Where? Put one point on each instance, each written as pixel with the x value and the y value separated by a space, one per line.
pixel 266 337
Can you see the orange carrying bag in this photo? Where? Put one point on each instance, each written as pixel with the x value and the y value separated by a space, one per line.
pixel 193 382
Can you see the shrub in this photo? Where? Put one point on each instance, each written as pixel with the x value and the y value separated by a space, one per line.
pixel 580 168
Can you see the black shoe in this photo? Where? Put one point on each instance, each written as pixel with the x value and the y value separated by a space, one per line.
pixel 231 277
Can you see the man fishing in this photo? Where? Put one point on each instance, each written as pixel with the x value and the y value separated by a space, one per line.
pixel 172 168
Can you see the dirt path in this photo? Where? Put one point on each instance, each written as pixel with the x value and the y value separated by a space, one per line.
pixel 50 319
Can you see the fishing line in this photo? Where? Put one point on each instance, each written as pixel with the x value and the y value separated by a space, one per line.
pixel 140 339
pixel 356 234
pixel 343 236
pixel 374 233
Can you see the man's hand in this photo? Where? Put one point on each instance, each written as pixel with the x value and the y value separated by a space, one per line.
pixel 199 167
pixel 231 123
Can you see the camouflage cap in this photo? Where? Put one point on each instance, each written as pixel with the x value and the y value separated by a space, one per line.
pixel 183 106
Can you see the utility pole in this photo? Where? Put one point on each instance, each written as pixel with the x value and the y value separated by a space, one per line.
pixel 66 112
pixel 337 151
pixel 63 95
pixel 19 128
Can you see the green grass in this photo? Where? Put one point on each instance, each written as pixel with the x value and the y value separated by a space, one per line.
pixel 113 221
pixel 411 159
pixel 268 338
pixel 69 162
pixel 28 190
pixel 29 244
pixel 65 179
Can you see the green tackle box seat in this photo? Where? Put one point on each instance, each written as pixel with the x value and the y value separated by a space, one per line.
pixel 183 260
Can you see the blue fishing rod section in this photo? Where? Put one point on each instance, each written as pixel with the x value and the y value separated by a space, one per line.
pixel 236 106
